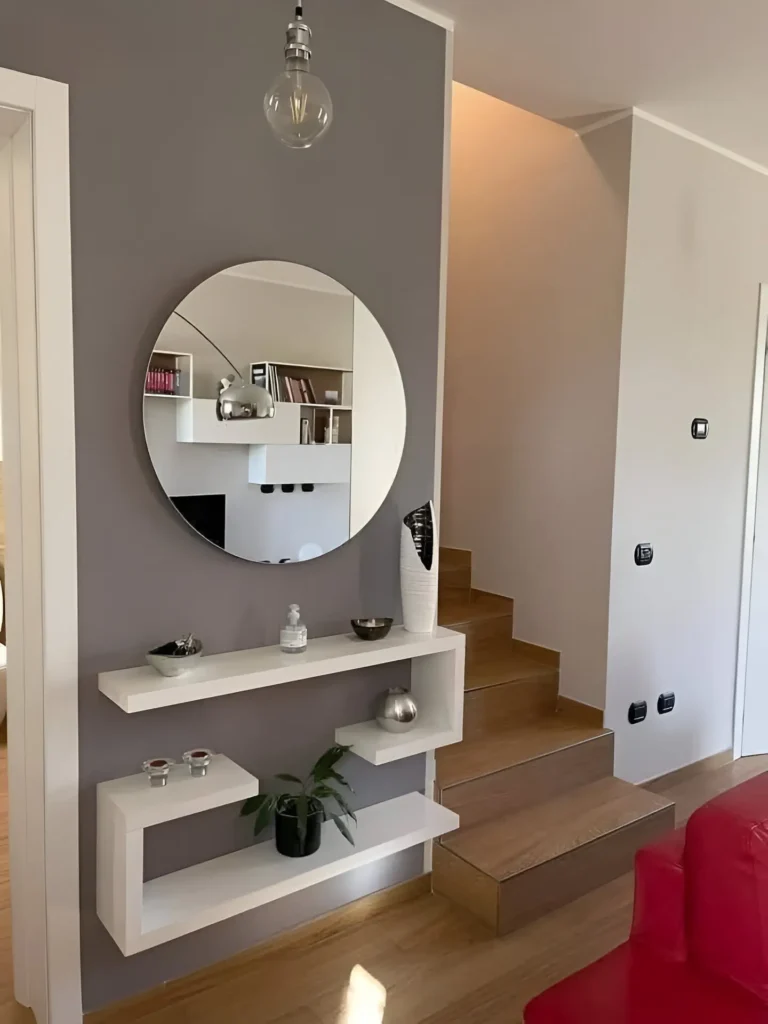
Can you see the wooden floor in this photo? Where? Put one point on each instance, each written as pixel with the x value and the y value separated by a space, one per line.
pixel 422 962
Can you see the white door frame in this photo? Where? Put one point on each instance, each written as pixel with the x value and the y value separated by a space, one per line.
pixel 761 350
pixel 41 547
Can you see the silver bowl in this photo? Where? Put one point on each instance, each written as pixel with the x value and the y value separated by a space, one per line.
pixel 372 629
pixel 177 658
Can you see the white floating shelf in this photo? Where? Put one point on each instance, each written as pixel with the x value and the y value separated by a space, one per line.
pixel 140 915
pixel 299 463
pixel 373 744
pixel 142 689
pixel 196 423
pixel 141 805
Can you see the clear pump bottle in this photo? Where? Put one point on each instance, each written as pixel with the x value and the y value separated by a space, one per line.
pixel 293 636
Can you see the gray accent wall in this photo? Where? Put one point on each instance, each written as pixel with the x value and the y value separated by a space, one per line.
pixel 175 176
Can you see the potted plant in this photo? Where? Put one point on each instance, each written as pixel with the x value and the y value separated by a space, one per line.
pixel 299 814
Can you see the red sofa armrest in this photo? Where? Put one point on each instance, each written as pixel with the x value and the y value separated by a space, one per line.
pixel 726 868
pixel 659 918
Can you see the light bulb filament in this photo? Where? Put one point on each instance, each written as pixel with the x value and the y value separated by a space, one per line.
pixel 298 106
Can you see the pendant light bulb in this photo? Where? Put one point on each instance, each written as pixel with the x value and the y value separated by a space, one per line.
pixel 297 105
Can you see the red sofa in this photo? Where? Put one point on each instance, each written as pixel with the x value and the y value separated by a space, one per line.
pixel 698 952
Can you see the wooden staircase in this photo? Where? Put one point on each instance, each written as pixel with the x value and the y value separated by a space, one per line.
pixel 543 820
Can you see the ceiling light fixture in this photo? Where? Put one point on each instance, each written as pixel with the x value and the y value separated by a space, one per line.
pixel 297 105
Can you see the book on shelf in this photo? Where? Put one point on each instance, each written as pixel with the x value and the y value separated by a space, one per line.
pixel 162 381
pixel 282 386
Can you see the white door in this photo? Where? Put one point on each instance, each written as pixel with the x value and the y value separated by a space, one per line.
pixel 752 719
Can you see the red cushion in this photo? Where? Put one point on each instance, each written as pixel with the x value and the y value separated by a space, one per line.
pixel 726 865
pixel 632 986
pixel 659 918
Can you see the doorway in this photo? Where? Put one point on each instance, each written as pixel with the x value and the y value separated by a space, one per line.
pixel 40 557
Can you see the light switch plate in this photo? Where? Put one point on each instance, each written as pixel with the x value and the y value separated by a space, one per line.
pixel 644 554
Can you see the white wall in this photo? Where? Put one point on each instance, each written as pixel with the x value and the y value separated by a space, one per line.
pixel 378 418
pixel 538 234
pixel 262 527
pixel 288 323
pixel 697 252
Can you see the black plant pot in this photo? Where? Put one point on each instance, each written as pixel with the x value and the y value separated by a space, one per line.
pixel 287 834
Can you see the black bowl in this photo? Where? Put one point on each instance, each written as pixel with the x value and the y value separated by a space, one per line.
pixel 372 629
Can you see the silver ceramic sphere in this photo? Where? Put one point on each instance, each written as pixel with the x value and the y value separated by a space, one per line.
pixel 397 711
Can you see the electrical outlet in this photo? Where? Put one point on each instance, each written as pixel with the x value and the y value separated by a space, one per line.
pixel 665 703
pixel 638 712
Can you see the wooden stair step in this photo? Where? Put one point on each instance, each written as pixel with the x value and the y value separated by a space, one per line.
pixel 480 616
pixel 495 752
pixel 494 662
pixel 519 866
pixel 510 705
pixel 516 843
pixel 455 558
pixel 455 577
pixel 456 611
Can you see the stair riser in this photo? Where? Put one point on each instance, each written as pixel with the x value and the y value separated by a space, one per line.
pixel 496 628
pixel 496 708
pixel 553 884
pixel 455 580
pixel 506 906
pixel 530 783
pixel 463 884
pixel 455 558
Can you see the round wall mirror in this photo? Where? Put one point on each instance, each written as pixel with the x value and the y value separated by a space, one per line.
pixel 294 485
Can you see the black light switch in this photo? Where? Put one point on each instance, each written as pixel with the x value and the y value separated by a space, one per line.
pixel 643 554
pixel 700 430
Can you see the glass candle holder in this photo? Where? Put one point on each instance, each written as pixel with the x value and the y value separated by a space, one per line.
pixel 158 769
pixel 198 760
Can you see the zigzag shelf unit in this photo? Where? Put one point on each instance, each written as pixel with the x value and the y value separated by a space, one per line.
pixel 437 683
pixel 140 915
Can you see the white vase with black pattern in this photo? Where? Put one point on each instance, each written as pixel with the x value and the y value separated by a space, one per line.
pixel 418 569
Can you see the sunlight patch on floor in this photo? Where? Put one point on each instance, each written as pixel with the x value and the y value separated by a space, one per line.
pixel 364 1000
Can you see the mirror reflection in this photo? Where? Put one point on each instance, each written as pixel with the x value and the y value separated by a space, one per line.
pixel 313 459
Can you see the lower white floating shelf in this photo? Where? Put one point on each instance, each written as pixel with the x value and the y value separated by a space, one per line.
pixel 373 744
pixel 140 915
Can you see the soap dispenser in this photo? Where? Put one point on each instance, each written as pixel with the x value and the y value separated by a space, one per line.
pixel 293 636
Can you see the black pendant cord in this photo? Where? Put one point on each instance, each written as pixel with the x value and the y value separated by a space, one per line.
pixel 212 343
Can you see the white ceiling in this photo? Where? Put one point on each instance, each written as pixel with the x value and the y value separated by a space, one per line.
pixel 701 64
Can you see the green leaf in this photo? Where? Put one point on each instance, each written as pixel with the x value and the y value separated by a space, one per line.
pixel 343 828
pixel 289 778
pixel 340 779
pixel 326 792
pixel 252 805
pixel 326 762
pixel 264 812
pixel 345 806
pixel 322 790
